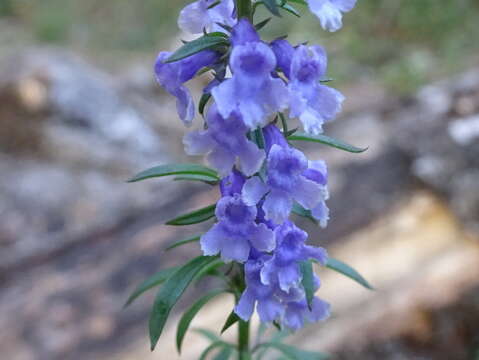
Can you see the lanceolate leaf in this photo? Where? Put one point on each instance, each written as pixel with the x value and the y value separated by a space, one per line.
pixel 308 281
pixel 262 24
pixel 348 271
pixel 188 316
pixel 302 2
pixel 184 242
pixel 210 41
pixel 216 344
pixel 203 101
pixel 157 279
pixel 194 217
pixel 230 321
pixel 170 292
pixel 301 211
pixel 176 169
pixel 326 140
pixel 224 354
pixel 202 178
pixel 290 9
pixel 294 353
pixel 272 6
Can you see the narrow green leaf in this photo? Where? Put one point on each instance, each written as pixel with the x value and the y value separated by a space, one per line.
pixel 203 101
pixel 301 211
pixel 262 24
pixel 326 140
pixel 230 321
pixel 202 178
pixel 194 217
pixel 155 280
pixel 188 316
pixel 348 271
pixel 210 269
pixel 176 169
pixel 205 42
pixel 170 292
pixel 302 2
pixel 272 6
pixel 210 335
pixel 294 353
pixel 224 354
pixel 308 281
pixel 210 348
pixel 184 242
pixel 290 9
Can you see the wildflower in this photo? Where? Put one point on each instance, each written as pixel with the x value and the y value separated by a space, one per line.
pixel 225 141
pixel 198 16
pixel 252 92
pixel 291 249
pixel 330 12
pixel 173 75
pixel 236 231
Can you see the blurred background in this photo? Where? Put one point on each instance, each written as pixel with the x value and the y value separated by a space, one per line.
pixel 80 112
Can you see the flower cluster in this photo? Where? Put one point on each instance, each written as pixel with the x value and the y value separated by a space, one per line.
pixel 263 177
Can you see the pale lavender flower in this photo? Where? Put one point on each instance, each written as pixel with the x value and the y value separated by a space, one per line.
pixel 297 313
pixel 196 17
pixel 173 75
pixel 225 141
pixel 318 172
pixel 252 92
pixel 311 102
pixel 284 266
pixel 285 180
pixel 330 12
pixel 269 305
pixel 236 232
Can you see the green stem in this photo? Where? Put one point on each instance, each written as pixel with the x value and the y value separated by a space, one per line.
pixel 244 9
pixel 243 340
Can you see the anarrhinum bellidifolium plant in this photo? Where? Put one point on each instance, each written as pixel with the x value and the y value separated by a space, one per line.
pixel 256 88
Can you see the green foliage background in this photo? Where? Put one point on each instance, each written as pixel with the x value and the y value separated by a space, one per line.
pixel 404 43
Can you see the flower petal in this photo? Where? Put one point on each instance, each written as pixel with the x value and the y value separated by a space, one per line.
pixel 211 242
pixel 277 206
pixel 253 190
pixel 307 193
pixel 245 307
pixel 262 238
pixel 222 160
pixel 198 143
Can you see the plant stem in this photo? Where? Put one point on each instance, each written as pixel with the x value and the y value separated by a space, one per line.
pixel 243 340
pixel 244 9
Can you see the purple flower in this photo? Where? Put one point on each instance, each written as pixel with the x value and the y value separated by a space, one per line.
pixel 225 140
pixel 285 180
pixel 330 12
pixel 196 17
pixel 252 92
pixel 284 266
pixel 313 103
pixel 317 171
pixel 173 75
pixel 269 305
pixel 297 313
pixel 236 231
pixel 232 184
